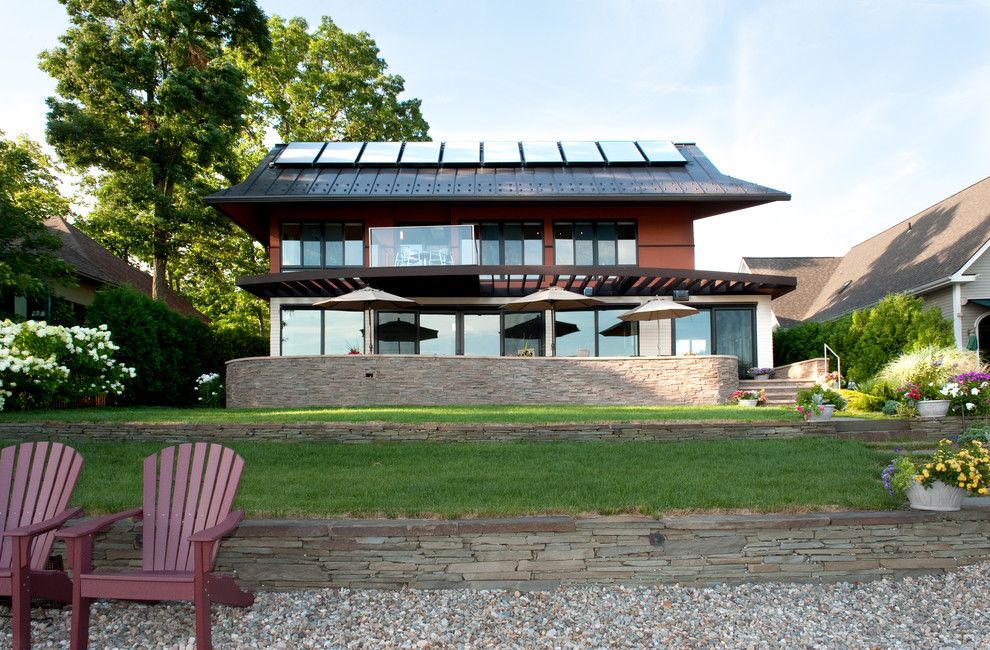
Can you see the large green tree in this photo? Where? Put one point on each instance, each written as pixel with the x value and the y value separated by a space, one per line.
pixel 328 84
pixel 28 196
pixel 148 98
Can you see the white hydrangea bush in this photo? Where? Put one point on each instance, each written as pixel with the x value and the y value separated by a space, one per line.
pixel 40 363
pixel 211 391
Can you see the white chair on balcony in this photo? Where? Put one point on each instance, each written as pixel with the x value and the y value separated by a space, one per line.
pixel 409 255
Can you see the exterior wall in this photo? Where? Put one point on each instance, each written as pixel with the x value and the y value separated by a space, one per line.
pixel 416 380
pixel 665 234
pixel 810 369
pixel 942 298
pixel 546 552
pixel 980 287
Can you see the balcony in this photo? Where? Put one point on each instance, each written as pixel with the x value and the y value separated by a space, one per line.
pixel 422 246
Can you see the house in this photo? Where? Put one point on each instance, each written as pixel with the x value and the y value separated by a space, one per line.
pixel 463 227
pixel 95 268
pixel 939 255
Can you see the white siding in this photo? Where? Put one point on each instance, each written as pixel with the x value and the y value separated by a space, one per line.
pixel 941 298
pixel 980 287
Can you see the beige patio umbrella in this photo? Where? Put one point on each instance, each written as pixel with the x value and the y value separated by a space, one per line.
pixel 553 299
pixel 658 309
pixel 365 300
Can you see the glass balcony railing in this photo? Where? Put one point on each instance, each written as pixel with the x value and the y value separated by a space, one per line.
pixel 423 246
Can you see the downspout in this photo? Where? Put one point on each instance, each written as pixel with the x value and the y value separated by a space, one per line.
pixel 957 324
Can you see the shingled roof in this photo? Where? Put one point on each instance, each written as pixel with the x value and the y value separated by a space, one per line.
pixel 916 254
pixel 812 274
pixel 91 260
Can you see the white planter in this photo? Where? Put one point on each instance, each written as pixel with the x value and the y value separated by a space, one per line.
pixel 828 410
pixel 940 497
pixel 761 377
pixel 933 408
pixel 748 402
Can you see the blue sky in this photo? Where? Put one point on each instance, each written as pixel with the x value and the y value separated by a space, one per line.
pixel 866 112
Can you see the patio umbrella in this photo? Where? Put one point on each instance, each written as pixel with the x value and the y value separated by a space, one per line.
pixel 622 328
pixel 404 331
pixel 553 299
pixel 531 329
pixel 658 310
pixel 365 300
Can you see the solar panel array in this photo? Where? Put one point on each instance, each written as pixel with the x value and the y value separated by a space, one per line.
pixel 478 154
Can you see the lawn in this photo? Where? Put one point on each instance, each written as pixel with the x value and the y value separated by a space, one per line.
pixel 412 414
pixel 457 480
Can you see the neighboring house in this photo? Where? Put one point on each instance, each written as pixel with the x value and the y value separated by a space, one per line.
pixel 939 254
pixel 462 228
pixel 95 268
pixel 811 273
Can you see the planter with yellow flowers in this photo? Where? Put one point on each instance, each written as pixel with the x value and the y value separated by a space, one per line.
pixel 941 482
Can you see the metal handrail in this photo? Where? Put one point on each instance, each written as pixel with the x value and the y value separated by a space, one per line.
pixel 838 362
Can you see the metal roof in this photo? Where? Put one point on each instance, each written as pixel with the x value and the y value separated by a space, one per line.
pixel 507 281
pixel 694 180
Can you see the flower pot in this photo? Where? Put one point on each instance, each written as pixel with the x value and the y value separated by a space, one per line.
pixel 940 497
pixel 933 408
pixel 760 377
pixel 748 402
pixel 827 411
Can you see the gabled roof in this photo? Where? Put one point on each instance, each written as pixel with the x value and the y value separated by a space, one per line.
pixel 916 254
pixel 694 180
pixel 812 274
pixel 91 260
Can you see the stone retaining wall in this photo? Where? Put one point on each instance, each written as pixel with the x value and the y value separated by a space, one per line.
pixel 811 369
pixel 355 380
pixel 393 433
pixel 544 552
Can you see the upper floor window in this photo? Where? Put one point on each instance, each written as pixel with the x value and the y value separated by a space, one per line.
pixel 589 243
pixel 322 245
pixel 510 243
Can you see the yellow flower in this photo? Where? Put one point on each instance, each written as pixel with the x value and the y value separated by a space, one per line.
pixel 983 490
pixel 962 477
pixel 940 467
pixel 924 472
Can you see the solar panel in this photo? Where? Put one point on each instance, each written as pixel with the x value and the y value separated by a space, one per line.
pixel 299 153
pixel 502 153
pixel 421 153
pixel 621 152
pixel 582 153
pixel 461 153
pixel 381 153
pixel 340 153
pixel 660 151
pixel 542 153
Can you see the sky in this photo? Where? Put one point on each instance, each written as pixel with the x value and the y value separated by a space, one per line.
pixel 865 112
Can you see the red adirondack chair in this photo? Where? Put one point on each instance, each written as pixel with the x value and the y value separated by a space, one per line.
pixel 188 492
pixel 36 481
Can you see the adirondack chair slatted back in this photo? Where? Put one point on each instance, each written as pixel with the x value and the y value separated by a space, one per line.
pixel 186 489
pixel 36 482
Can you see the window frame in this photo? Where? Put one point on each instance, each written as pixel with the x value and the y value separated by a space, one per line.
pixel 596 242
pixel 322 225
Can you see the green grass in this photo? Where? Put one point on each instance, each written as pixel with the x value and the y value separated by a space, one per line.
pixel 411 414
pixel 457 480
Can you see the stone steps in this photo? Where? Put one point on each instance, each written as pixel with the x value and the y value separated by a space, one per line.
pixel 780 392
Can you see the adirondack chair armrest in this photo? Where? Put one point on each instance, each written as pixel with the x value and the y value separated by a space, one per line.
pixel 92 526
pixel 44 526
pixel 219 531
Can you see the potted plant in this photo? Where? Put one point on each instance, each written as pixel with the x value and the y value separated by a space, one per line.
pixel 969 393
pixel 931 399
pixel 525 350
pixel 941 483
pixel 353 349
pixel 760 373
pixel 819 402
pixel 748 398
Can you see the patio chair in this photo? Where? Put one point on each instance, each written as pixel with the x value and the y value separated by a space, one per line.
pixel 36 482
pixel 188 493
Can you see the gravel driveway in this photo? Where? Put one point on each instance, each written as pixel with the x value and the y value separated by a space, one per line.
pixel 946 611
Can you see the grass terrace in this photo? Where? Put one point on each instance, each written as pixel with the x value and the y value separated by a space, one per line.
pixel 477 479
pixel 502 414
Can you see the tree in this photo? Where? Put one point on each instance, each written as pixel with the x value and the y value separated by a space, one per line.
pixel 146 96
pixel 28 195
pixel 328 85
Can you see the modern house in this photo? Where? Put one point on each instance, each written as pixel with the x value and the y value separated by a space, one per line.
pixel 463 227
pixel 95 268
pixel 940 255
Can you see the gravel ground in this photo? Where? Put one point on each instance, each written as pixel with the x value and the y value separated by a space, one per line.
pixel 946 611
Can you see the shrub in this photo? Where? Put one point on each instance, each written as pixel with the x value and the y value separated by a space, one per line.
pixel 211 391
pixel 857 401
pixel 810 400
pixel 979 433
pixel 891 407
pixel 40 363
pixel 169 351
pixel 928 365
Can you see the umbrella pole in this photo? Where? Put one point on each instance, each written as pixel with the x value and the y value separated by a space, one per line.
pixel 369 340
pixel 553 331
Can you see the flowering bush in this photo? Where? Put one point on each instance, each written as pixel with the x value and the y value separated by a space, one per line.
pixel 913 393
pixel 928 366
pixel 211 390
pixel 968 469
pixel 753 372
pixel 759 395
pixel 970 393
pixel 40 362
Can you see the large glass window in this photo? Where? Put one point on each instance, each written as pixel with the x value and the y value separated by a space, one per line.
pixel 326 245
pixel 599 332
pixel 301 331
pixel 482 335
pixel 343 332
pixel 438 334
pixel 317 331
pixel 510 243
pixel 397 332
pixel 586 243
pixel 523 331
pixel 719 330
